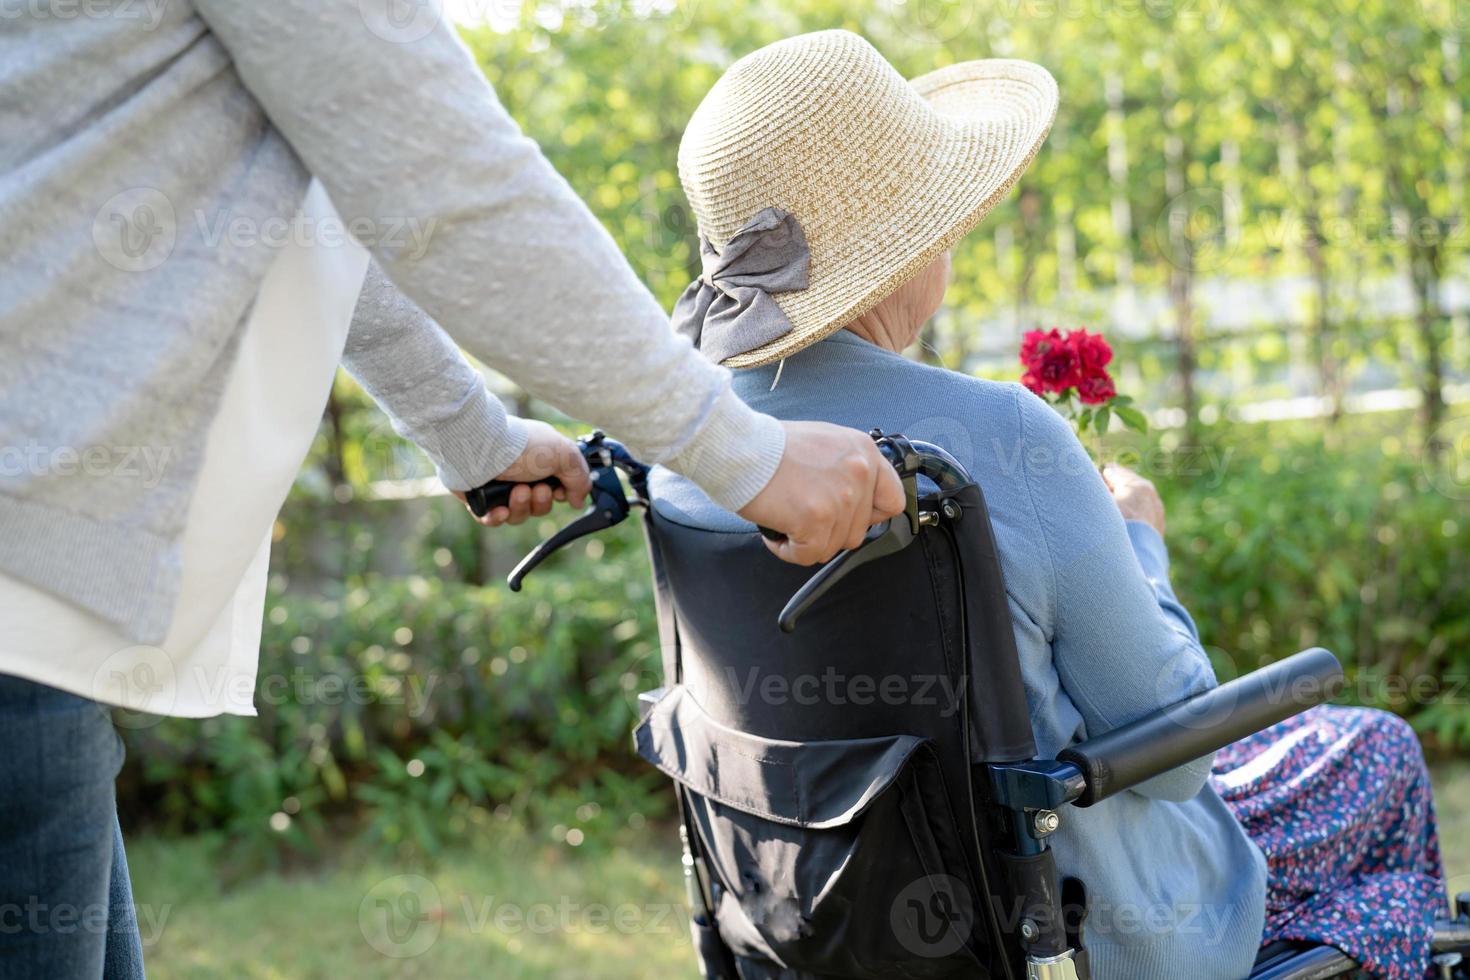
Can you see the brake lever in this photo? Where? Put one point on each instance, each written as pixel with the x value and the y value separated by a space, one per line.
pixel 910 459
pixel 887 538
pixel 608 505
pixel 608 508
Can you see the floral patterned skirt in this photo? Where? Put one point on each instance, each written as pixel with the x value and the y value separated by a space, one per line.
pixel 1339 801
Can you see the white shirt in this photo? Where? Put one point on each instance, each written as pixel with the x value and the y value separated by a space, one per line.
pixel 268 416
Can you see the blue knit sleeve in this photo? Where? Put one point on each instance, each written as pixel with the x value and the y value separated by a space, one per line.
pixel 1153 558
pixel 1122 644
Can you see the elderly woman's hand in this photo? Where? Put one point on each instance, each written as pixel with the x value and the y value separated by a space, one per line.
pixel 1135 496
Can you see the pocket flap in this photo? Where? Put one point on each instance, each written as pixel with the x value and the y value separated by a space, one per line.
pixel 804 784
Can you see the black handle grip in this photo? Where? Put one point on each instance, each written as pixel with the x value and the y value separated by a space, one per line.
pixel 1205 723
pixel 483 499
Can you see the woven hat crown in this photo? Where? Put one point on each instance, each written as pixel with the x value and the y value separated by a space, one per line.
pixel 881 173
pixel 802 124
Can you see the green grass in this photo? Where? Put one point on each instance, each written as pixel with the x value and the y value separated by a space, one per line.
pixel 512 909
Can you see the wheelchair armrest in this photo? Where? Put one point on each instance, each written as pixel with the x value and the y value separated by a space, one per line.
pixel 1205 723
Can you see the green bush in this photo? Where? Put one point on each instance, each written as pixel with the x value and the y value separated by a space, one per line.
pixel 424 705
pixel 1359 549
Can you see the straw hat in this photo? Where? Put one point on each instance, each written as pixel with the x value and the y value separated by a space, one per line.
pixel 881 173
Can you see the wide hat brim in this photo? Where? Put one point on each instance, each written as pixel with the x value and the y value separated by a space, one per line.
pixel 987 120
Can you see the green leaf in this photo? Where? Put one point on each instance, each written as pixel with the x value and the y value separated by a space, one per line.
pixel 1104 416
pixel 1131 417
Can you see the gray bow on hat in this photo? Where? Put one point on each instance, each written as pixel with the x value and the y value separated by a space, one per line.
pixel 728 310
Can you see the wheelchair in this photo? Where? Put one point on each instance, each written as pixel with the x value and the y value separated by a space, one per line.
pixel 825 840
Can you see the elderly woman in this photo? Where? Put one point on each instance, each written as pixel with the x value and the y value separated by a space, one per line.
pixel 829 191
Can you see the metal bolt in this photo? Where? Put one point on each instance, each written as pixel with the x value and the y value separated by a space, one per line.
pixel 1029 930
pixel 1045 822
pixel 952 510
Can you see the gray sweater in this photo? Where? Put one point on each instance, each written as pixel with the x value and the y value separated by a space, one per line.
pixel 150 152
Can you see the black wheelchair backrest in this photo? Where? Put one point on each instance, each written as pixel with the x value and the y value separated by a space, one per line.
pixel 825 774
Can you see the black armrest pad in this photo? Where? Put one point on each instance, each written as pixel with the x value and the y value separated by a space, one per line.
pixel 1197 726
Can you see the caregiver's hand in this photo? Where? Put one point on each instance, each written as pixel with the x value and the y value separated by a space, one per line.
pixel 547 453
pixel 1135 496
pixel 832 484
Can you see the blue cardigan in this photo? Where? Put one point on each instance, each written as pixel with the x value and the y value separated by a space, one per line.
pixel 1176 888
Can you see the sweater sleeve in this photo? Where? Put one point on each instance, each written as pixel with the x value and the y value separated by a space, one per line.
pixel 1121 643
pixel 433 396
pixel 470 221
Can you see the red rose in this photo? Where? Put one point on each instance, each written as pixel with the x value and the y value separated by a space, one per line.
pixel 1034 343
pixel 1059 368
pixel 1092 350
pixel 1050 360
pixel 1096 387
pixel 1030 380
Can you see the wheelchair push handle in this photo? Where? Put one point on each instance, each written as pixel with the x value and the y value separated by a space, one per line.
pixel 607 504
pixel 485 498
pixel 1203 724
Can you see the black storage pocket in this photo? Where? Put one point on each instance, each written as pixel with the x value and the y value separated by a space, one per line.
pixel 839 857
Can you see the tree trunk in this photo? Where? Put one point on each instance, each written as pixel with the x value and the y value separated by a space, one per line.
pixel 1181 269
pixel 1118 178
pixel 1429 319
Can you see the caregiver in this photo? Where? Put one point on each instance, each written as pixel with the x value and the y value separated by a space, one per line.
pixel 169 333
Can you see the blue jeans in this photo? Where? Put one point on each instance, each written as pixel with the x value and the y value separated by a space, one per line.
pixel 66 904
